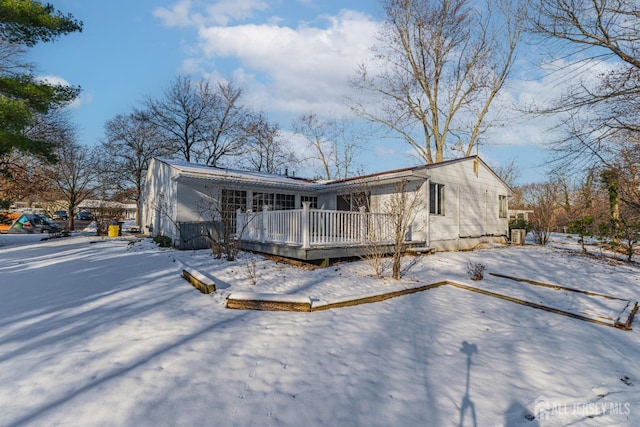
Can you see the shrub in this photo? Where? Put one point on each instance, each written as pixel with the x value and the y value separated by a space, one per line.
pixel 520 223
pixel 476 270
pixel 162 241
pixel 583 227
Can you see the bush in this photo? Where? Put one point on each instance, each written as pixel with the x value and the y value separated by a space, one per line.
pixel 476 270
pixel 583 227
pixel 520 223
pixel 162 241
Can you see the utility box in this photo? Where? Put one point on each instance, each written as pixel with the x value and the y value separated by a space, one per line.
pixel 517 236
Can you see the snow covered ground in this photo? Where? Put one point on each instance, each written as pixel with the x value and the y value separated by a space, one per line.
pixel 105 332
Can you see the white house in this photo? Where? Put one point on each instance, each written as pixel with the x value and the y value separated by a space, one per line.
pixel 459 204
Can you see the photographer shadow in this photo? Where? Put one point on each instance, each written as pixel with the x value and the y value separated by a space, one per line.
pixel 467 404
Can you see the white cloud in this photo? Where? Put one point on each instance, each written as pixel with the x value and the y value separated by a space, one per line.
pixel 184 13
pixel 178 15
pixel 306 68
pixel 53 80
pixel 225 11
pixel 83 99
pixel 288 70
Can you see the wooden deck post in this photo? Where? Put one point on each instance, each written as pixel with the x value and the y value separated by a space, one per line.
pixel 239 223
pixel 305 229
pixel 362 224
pixel 263 228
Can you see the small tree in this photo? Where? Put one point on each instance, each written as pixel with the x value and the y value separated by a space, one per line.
pixel 220 206
pixel 629 232
pixel 402 205
pixel 544 199
pixel 583 227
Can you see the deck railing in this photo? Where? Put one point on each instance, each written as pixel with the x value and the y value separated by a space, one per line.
pixel 315 227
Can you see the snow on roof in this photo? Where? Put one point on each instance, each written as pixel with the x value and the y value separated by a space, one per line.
pixel 96 204
pixel 193 170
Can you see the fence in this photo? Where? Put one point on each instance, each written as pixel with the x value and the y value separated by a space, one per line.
pixel 316 227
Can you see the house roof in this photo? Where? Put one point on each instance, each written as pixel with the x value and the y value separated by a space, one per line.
pixel 421 171
pixel 197 171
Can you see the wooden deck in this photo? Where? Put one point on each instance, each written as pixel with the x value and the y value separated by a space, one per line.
pixel 319 234
pixel 317 253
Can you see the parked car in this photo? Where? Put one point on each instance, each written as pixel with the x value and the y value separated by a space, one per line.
pixel 60 215
pixel 84 216
pixel 33 223
pixel 6 219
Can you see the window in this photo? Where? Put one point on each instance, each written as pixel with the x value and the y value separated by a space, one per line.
pixel 262 199
pixel 273 201
pixel 436 198
pixel 353 202
pixel 313 201
pixel 230 202
pixel 502 206
pixel 285 201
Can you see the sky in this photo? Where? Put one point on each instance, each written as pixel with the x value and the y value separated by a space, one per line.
pixel 290 57
pixel 106 332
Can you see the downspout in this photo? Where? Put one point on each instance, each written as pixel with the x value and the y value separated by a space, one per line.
pixel 458 217
pixel 427 190
pixel 485 216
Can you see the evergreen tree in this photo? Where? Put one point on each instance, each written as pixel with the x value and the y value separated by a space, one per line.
pixel 23 98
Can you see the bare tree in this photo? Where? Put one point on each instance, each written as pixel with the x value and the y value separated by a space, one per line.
pixel 220 207
pixel 203 121
pixel 73 176
pixel 21 178
pixel 404 205
pixel 334 143
pixel 131 141
pixel 594 110
pixel 397 212
pixel 509 173
pixel 181 114
pixel 227 121
pixel 265 149
pixel 545 200
pixel 607 27
pixel 22 173
pixel 11 58
pixel 438 67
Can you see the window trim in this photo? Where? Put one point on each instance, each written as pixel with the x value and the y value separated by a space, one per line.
pixel 230 201
pixel 436 199
pixel 274 201
pixel 502 206
pixel 313 201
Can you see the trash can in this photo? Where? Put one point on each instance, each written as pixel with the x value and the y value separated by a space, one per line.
pixel 113 230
